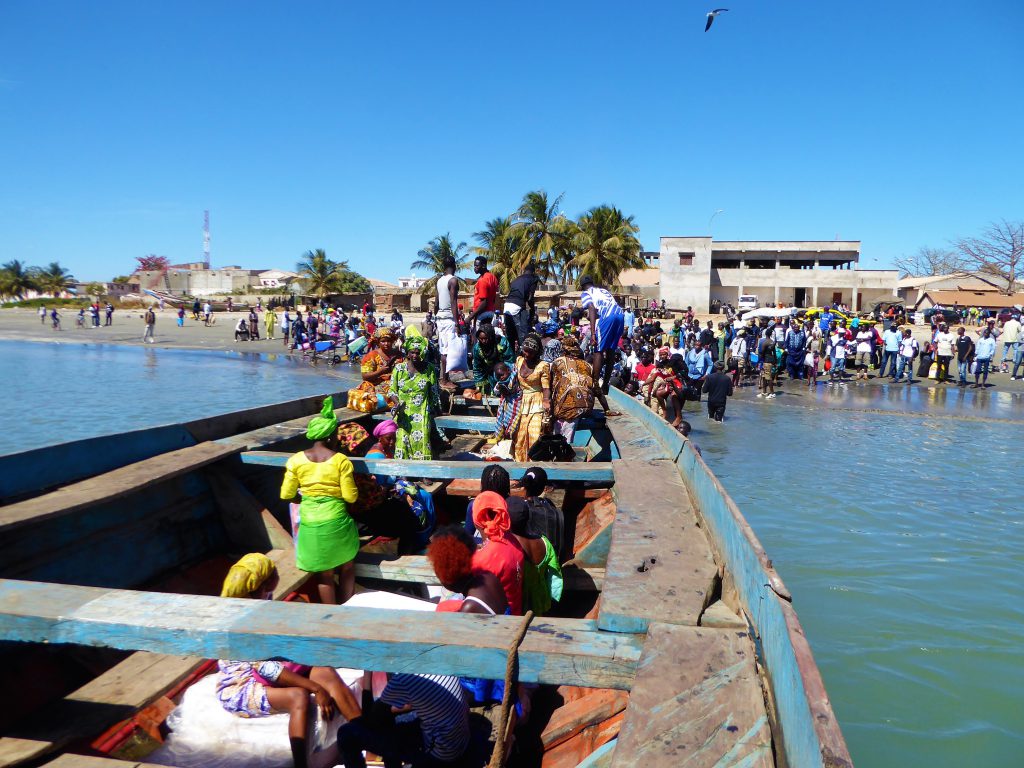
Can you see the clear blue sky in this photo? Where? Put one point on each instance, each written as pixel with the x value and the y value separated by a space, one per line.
pixel 368 128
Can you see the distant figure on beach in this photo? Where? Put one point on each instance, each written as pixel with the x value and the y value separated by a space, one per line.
pixel 150 320
pixel 181 317
pixel 231 304
pixel 109 311
pixel 55 317
pixel 254 326
pixel 241 330
pixel 271 322
pixel 207 313
pixel 42 315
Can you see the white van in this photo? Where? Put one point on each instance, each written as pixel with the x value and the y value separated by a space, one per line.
pixel 747 302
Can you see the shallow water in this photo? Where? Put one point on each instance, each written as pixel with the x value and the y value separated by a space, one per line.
pixel 902 540
pixel 60 392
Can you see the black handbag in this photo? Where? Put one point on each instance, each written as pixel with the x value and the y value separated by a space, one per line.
pixel 551 448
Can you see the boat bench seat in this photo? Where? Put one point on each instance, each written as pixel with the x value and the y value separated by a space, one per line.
pixel 117 694
pixel 417 568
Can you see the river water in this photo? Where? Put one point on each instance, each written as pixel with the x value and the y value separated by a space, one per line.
pixel 901 538
pixel 894 519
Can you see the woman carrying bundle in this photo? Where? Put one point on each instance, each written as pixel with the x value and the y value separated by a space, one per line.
pixel 261 688
pixel 327 540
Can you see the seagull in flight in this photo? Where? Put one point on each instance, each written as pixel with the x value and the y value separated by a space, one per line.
pixel 711 17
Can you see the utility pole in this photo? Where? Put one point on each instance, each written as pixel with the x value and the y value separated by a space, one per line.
pixel 206 238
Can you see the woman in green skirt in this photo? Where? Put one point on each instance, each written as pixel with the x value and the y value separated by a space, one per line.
pixel 327 540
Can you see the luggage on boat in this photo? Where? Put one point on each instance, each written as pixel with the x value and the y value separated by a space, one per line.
pixel 367 402
pixel 551 448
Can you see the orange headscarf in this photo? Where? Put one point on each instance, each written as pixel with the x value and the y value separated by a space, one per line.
pixel 490 515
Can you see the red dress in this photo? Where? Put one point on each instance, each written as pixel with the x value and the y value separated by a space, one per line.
pixel 504 558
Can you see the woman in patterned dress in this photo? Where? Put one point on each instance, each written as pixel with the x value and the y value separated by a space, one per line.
pixel 535 401
pixel 261 688
pixel 379 362
pixel 414 386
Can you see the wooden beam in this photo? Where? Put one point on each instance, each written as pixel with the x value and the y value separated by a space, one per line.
pixel 660 566
pixel 482 423
pixel 417 568
pixel 592 472
pixel 696 701
pixel 114 484
pixel 275 434
pixel 121 691
pixel 560 651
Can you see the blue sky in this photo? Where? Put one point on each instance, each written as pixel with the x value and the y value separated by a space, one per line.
pixel 368 128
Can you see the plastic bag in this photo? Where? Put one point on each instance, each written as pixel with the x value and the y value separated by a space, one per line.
pixel 457 354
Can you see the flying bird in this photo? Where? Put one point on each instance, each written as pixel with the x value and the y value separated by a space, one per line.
pixel 711 17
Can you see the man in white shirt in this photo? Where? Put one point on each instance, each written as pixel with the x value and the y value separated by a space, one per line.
pixel 447 302
pixel 908 351
pixel 944 343
pixel 1011 340
pixel 890 351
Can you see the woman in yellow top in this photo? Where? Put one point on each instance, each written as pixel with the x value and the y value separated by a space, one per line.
pixel 535 382
pixel 327 541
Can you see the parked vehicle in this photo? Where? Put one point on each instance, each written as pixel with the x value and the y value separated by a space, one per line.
pixel 747 302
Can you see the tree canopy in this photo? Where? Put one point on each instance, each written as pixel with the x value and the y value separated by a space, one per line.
pixel 53 279
pixel 322 277
pixel 16 280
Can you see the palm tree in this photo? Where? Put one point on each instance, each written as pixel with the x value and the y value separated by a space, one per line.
pixel 498 245
pixel 433 256
pixel 321 276
pixel 16 280
pixel 53 279
pixel 606 244
pixel 541 231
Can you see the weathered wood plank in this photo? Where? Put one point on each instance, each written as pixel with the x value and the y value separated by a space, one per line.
pixel 592 472
pixel 634 439
pixel 561 651
pixel 660 566
pixel 720 615
pixel 240 513
pixel 114 484
pixel 417 568
pixel 696 701
pixel 600 757
pixel 118 693
pixel 87 761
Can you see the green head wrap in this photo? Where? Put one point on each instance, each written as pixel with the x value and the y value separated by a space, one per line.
pixel 326 424
pixel 416 342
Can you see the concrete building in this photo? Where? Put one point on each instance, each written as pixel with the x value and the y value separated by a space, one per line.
pixel 196 280
pixel 699 272
pixel 912 289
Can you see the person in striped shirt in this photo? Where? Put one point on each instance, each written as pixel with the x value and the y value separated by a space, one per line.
pixel 418 719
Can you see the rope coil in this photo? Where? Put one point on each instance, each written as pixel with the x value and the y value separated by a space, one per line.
pixel 511 679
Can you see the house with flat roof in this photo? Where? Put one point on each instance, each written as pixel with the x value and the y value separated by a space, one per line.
pixel 700 272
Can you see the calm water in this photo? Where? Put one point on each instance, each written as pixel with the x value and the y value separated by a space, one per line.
pixel 902 540
pixel 60 392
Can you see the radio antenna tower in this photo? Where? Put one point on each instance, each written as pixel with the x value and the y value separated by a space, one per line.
pixel 206 238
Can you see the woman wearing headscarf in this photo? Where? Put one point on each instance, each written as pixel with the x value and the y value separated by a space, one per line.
pixel 414 387
pixel 327 540
pixel 534 376
pixel 500 553
pixel 572 388
pixel 379 362
pixel 261 688
pixel 270 319
pixel 490 350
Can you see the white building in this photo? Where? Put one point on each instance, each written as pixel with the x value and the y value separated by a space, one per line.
pixel 277 278
pixel 412 283
pixel 697 272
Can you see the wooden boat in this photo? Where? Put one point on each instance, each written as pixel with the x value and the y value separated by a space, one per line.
pixel 677 643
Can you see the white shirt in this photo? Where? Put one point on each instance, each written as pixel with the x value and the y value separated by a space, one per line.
pixel 444 297
pixel 908 347
pixel 864 341
pixel 944 344
pixel 1011 331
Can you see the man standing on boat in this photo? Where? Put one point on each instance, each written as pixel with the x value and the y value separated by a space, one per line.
pixel 606 326
pixel 520 306
pixel 485 294
pixel 447 301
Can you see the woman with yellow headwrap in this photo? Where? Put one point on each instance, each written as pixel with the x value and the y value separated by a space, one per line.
pixel 327 540
pixel 261 688
pixel 414 386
